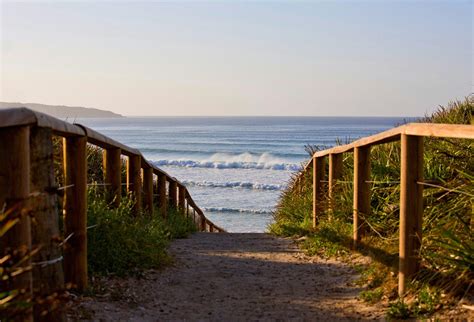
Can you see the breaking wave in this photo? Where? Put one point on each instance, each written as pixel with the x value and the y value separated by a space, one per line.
pixel 235 184
pixel 241 161
pixel 238 210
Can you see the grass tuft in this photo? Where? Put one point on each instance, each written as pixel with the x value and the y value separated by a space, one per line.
pixel 122 244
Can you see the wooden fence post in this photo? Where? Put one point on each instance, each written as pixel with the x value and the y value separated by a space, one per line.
pixel 14 191
pixel 173 193
pixel 155 190
pixel 148 190
pixel 335 173
pixel 411 208
pixel 47 279
pixel 162 202
pixel 134 182
pixel 113 175
pixel 203 222
pixel 318 193
pixel 181 197
pixel 75 211
pixel 361 189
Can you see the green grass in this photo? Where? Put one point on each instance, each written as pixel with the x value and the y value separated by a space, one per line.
pixel 447 252
pixel 427 301
pixel 121 243
pixel 372 296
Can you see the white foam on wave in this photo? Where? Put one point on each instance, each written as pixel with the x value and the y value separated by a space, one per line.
pixel 238 210
pixel 229 161
pixel 235 184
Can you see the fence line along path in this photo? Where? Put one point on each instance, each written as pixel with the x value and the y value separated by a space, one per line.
pixel 28 191
pixel 411 183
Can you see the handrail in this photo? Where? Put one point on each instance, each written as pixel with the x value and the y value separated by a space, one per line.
pixel 417 129
pixel 411 183
pixel 391 135
pixel 11 117
pixel 26 172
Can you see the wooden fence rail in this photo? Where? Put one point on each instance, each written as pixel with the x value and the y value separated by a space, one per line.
pixel 411 184
pixel 27 182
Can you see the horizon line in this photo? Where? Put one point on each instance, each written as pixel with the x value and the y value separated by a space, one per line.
pixel 261 116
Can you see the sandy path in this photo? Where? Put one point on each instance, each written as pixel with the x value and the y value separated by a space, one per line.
pixel 235 277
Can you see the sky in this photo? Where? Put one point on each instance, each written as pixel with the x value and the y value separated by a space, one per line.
pixel 286 58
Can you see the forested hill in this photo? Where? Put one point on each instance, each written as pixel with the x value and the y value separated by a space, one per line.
pixel 61 111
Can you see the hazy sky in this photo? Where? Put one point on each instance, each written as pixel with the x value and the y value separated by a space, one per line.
pixel 238 58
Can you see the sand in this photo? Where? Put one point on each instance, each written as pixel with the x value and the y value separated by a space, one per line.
pixel 234 277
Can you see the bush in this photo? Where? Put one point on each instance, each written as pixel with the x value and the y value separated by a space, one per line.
pixel 122 244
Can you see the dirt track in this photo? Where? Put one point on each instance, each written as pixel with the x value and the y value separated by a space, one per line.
pixel 235 277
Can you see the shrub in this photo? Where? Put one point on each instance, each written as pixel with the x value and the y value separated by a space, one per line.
pixel 122 244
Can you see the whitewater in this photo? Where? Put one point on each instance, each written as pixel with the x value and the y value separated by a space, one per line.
pixel 235 167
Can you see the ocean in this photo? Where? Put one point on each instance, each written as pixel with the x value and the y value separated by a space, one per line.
pixel 235 167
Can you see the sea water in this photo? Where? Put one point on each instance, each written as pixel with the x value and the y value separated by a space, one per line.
pixel 235 167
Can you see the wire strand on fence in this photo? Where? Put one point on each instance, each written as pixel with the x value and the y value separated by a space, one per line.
pixel 64 187
pixel 364 220
pixel 65 240
pixel 367 181
pixel 382 182
pixel 48 262
pixel 72 234
pixel 444 188
pixel 35 194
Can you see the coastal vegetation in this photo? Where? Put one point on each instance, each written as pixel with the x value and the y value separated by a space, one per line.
pixel 120 242
pixel 447 252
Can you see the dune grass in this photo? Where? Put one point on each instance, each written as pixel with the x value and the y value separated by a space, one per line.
pixel 119 241
pixel 122 243
pixel 447 252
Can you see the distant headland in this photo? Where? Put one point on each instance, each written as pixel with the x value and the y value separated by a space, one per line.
pixel 61 111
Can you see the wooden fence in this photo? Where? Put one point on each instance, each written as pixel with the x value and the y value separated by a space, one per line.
pixel 27 184
pixel 411 183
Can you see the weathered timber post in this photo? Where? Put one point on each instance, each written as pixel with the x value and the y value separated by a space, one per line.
pixel 361 188
pixel 162 202
pixel 173 192
pixel 211 228
pixel 203 222
pixel 75 211
pixel 148 190
pixel 47 279
pixel 14 191
pixel 335 173
pixel 181 197
pixel 113 175
pixel 411 208
pixel 134 182
pixel 155 190
pixel 318 193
